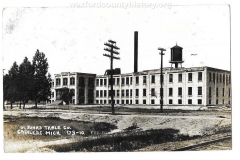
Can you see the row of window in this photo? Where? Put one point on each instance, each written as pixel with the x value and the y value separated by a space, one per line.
pixel 217 92
pixel 103 93
pixel 128 80
pixel 91 81
pixel 210 101
pixel 219 78
pixel 170 101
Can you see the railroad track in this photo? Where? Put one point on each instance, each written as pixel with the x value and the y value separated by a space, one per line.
pixel 197 146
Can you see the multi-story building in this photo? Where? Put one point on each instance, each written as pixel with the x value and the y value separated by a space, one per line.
pixel 181 86
pixel 82 85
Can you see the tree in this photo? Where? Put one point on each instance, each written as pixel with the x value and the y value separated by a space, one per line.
pixel 41 78
pixel 25 83
pixel 6 85
pixel 13 91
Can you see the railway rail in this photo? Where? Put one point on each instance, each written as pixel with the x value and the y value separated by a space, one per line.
pixel 200 145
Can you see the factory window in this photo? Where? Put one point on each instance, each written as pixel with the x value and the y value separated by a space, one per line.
pixel 216 101
pixel 137 93
pixel 217 92
pixel 130 101
pixel 224 78
pixel 213 77
pixel 97 93
pixel 199 76
pixel 180 91
pixel 122 101
pixel 72 81
pixel 101 82
pixel 123 82
pixel 137 80
pixel 105 93
pixel 127 101
pixel 170 77
pixel 170 92
pixel 58 82
pixel 127 80
pixel 153 92
pixel 122 92
pixel 199 91
pixel 153 79
pixel 90 82
pixel 189 91
pixel 97 101
pixel 199 101
pixel 209 101
pixel 229 92
pixel 127 92
pixel 210 77
pixel 52 94
pixel 117 81
pixel 220 78
pixel 100 101
pixel 114 79
pixel 217 77
pixel 223 92
pixel 105 102
pixel 117 101
pixel 81 81
pixel 152 101
pixel 180 77
pixel 144 79
pixel 136 101
pixel 101 93
pixel 210 92
pixel 118 93
pixel 189 101
pixel 180 101
pixel 144 101
pixel 97 82
pixel 105 82
pixel 144 92
pixel 130 92
pixel 130 80
pixel 65 81
pixel 170 101
pixel 109 102
pixel 190 77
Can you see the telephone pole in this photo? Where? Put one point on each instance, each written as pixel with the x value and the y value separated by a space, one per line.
pixel 161 79
pixel 111 47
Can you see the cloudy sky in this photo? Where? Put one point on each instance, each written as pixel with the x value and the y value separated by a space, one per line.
pixel 73 38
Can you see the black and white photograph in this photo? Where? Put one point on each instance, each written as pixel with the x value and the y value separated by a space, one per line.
pixel 117 77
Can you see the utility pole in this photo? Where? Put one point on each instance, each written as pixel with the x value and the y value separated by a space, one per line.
pixel 161 79
pixel 111 47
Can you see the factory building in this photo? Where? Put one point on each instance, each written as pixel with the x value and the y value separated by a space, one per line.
pixel 81 85
pixel 181 86
pixel 204 86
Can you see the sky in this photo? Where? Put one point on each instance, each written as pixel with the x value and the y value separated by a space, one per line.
pixel 73 38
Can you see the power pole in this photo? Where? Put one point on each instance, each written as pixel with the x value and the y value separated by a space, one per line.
pixel 112 49
pixel 161 79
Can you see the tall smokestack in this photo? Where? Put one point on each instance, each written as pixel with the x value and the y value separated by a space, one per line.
pixel 135 51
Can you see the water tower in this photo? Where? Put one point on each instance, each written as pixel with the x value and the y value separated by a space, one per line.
pixel 176 56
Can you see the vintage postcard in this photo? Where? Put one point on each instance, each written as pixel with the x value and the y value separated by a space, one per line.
pixel 117 77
